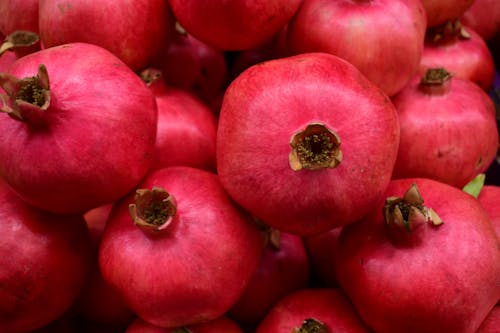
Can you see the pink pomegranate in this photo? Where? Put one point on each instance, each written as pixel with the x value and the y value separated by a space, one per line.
pixel 425 260
pixel 45 261
pixel 135 31
pixel 448 129
pixel 284 267
pixel 382 38
pixel 492 322
pixel 312 310
pixel 179 250
pixel 461 51
pixel 438 12
pixel 74 141
pixel 289 146
pixel 218 325
pixel 484 17
pixel 186 129
pixel 234 25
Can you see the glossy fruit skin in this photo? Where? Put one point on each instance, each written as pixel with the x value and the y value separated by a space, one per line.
pixel 45 261
pixel 438 12
pixel 186 129
pixel 445 279
pixel 199 245
pixel 84 166
pixel 135 31
pixel 271 101
pixel 489 197
pixel 450 136
pixel 282 269
pixel 218 325
pixel 484 17
pixel 466 58
pixel 234 25
pixel 328 305
pixel 382 38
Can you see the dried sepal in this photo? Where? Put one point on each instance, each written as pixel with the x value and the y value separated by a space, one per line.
pixel 311 325
pixel 153 209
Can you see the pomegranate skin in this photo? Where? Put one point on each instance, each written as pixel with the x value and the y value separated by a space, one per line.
pixel 492 322
pixel 382 38
pixel 218 325
pixel 183 118
pixel 484 17
pixel 442 278
pixel 466 58
pixel 135 31
pixel 489 197
pixel 328 305
pixel 438 12
pixel 45 261
pixel 448 135
pixel 284 267
pixel 262 110
pixel 189 272
pixel 234 25
pixel 94 144
pixel 18 15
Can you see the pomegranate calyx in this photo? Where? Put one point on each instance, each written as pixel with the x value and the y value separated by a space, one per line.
pixel 409 212
pixel 153 209
pixel 150 75
pixel 436 81
pixel 311 325
pixel 182 330
pixel 19 38
pixel 315 147
pixel 25 98
pixel 448 31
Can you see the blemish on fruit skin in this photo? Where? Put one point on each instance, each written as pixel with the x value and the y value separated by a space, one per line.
pixel 64 7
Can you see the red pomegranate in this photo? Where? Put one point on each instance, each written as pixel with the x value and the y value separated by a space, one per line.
pixel 192 65
pixel 218 325
pixel 382 38
pixel 135 31
pixel 492 322
pixel 179 250
pixel 440 11
pixel 234 25
pixel 44 263
pixel 284 267
pixel 425 260
pixel 289 146
pixel 484 17
pixel 182 118
pixel 18 15
pixel 448 129
pixel 489 197
pixel 312 310
pixel 461 51
pixel 73 141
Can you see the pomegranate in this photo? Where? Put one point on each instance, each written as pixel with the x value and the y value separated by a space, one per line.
pixel 135 31
pixel 234 25
pixel 454 121
pixel 284 267
pixel 425 260
pixel 182 117
pixel 44 264
pixel 492 322
pixel 21 42
pixel 489 197
pixel 193 65
pixel 218 325
pixel 74 141
pixel 98 302
pixel 321 252
pixel 461 51
pixel 7 59
pixel 384 39
pixel 438 12
pixel 180 257
pixel 310 311
pixel 18 15
pixel 289 146
pixel 484 17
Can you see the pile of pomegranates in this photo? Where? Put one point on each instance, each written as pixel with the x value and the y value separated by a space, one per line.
pixel 210 166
